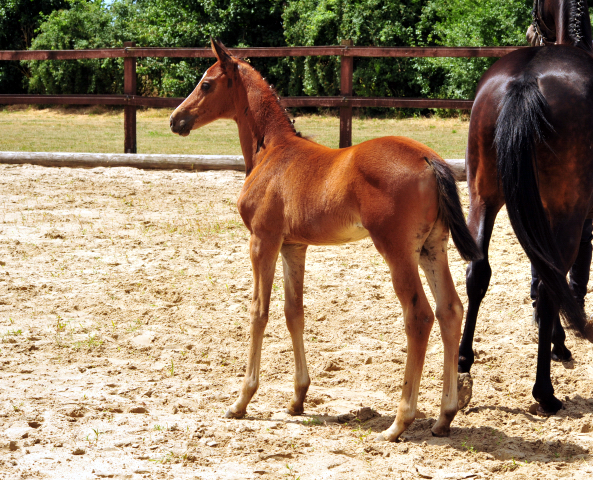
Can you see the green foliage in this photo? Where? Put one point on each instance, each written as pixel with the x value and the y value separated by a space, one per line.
pixel 66 24
pixel 162 23
pixel 85 25
pixel 401 23
pixel 366 22
pixel 18 21
pixel 470 23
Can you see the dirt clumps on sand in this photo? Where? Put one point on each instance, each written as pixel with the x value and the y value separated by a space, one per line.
pixel 124 299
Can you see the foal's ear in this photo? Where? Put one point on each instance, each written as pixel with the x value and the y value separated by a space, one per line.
pixel 221 52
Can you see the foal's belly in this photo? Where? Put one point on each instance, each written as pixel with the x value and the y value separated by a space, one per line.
pixel 352 233
pixel 332 236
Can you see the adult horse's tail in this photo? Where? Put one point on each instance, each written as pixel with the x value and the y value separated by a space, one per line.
pixel 451 213
pixel 521 123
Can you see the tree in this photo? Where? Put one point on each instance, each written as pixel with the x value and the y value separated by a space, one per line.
pixel 261 23
pixel 85 25
pixel 366 22
pixel 162 23
pixel 19 19
pixel 468 23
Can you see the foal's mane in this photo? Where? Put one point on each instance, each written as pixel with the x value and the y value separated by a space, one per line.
pixel 268 98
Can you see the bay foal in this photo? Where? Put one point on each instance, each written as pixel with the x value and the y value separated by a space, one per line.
pixel 298 193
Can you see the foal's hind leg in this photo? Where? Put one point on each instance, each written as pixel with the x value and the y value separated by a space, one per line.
pixel 449 313
pixel 293 262
pixel 418 320
pixel 264 252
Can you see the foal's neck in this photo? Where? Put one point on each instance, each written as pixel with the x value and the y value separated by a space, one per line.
pixel 261 120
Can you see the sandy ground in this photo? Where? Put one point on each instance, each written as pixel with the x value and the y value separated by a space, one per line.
pixel 124 330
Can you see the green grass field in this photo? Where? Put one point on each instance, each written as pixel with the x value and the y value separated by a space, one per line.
pixel 101 131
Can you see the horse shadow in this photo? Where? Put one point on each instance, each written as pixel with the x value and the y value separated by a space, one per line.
pixel 531 442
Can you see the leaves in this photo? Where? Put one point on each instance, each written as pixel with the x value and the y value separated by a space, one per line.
pixel 241 23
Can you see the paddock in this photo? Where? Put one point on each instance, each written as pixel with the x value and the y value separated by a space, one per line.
pixel 124 329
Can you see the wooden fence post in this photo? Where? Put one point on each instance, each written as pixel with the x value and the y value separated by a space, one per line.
pixel 346 70
pixel 129 111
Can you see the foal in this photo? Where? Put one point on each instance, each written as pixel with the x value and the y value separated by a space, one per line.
pixel 298 193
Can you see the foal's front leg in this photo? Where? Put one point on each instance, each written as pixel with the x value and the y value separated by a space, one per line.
pixel 293 262
pixel 264 253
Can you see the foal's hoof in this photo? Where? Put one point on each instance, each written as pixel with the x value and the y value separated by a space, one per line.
pixel 294 413
pixel 441 432
pixel 381 438
pixel 232 414
pixel 295 409
pixel 561 354
pixel 465 385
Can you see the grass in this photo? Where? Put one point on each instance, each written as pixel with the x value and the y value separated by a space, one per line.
pixel 98 130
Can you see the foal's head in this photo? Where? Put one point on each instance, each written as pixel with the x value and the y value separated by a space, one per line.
pixel 212 98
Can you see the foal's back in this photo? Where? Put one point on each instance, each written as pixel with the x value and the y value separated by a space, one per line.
pixel 318 195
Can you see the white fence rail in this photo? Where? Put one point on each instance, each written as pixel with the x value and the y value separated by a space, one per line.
pixel 160 162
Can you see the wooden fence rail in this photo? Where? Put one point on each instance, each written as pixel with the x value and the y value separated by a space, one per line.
pixel 345 102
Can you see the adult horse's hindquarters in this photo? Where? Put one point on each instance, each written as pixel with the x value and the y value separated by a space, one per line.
pixel 530 145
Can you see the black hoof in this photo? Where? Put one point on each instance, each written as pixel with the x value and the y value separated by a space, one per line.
pixel 549 407
pixel 561 354
pixel 464 364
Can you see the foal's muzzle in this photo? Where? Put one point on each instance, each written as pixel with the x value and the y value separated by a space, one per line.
pixel 180 124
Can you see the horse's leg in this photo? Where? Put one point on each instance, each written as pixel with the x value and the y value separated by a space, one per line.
pixel 264 252
pixel 449 313
pixel 579 277
pixel 567 232
pixel 560 353
pixel 579 272
pixel 543 391
pixel 418 320
pixel 293 262
pixel 480 222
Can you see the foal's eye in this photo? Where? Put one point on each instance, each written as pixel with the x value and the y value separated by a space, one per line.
pixel 205 86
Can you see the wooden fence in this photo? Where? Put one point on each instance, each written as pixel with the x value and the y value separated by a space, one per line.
pixel 345 102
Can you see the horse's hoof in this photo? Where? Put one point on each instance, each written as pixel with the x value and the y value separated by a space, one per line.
pixel 549 408
pixel 561 354
pixel 380 438
pixel 464 364
pixel 230 414
pixel 441 432
pixel 465 385
pixel 294 413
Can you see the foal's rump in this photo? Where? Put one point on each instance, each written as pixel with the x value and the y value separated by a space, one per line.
pixel 422 182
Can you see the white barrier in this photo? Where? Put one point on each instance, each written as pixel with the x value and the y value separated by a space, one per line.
pixel 161 162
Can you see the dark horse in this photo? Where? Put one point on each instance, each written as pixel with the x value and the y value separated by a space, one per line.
pixel 531 146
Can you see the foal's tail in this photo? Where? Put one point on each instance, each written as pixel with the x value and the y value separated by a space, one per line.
pixel 451 213
pixel 521 123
